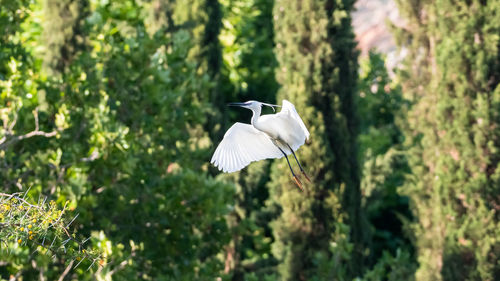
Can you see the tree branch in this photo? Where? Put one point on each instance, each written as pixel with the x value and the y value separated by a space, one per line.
pixel 5 142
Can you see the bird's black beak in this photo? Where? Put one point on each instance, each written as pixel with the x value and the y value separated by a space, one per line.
pixel 236 104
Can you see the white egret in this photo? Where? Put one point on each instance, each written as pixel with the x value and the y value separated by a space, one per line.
pixel 268 136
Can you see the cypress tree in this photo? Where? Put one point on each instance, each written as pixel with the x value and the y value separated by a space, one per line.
pixel 63 32
pixel 452 75
pixel 318 234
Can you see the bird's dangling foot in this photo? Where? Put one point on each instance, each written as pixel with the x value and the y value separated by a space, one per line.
pixel 297 181
pixel 300 166
pixel 305 175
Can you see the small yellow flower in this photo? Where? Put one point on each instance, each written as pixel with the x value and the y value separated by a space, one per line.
pixel 30 226
pixel 22 228
pixel 30 232
pixel 19 241
pixel 31 237
pixel 21 207
pixel 34 220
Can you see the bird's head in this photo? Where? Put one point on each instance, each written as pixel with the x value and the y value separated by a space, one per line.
pixel 253 105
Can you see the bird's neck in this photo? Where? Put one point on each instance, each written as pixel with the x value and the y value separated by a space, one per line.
pixel 255 116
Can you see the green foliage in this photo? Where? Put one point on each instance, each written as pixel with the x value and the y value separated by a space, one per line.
pixel 119 136
pixel 250 246
pixel 109 109
pixel 247 40
pixel 318 72
pixel 452 77
pixel 391 268
pixel 203 20
pixel 381 105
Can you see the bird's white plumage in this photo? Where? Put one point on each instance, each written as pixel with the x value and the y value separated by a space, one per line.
pixel 245 143
pixel 290 108
pixel 286 127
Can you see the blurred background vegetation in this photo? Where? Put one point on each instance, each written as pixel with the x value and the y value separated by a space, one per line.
pixel 111 109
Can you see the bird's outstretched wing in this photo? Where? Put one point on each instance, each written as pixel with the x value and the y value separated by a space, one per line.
pixel 243 144
pixel 288 107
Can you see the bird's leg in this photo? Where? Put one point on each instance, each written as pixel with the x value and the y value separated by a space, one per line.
pixel 297 180
pixel 300 166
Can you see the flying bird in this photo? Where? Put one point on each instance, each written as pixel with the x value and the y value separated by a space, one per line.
pixel 268 136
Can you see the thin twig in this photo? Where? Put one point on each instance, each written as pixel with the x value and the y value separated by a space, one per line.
pixel 51 244
pixel 26 192
pixel 10 195
pixel 91 265
pixel 60 216
pixel 66 241
pixel 66 271
pixel 72 220
pixel 27 211
pixel 119 267
pixel 11 127
pixel 86 240
pixel 79 262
